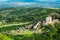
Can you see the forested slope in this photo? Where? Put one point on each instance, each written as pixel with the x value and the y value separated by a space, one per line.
pixel 27 14
pixel 15 18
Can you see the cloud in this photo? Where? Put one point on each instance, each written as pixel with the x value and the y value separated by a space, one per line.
pixel 18 3
pixel 23 3
pixel 3 0
pixel 30 3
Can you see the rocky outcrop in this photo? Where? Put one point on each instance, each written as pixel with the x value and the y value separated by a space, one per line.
pixel 34 26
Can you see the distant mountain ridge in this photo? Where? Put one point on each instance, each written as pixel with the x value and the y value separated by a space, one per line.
pixel 31 4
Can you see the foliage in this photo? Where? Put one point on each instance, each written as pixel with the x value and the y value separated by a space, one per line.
pixel 27 14
pixel 4 37
pixel 11 15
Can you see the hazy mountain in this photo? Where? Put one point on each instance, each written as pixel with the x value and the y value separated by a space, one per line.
pixel 44 4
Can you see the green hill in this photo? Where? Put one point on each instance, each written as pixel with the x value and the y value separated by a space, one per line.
pixel 12 19
pixel 27 14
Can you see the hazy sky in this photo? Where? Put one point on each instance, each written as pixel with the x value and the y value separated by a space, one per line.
pixel 27 0
pixel 44 3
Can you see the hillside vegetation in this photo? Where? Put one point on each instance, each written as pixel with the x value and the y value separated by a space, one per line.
pixel 12 19
pixel 9 15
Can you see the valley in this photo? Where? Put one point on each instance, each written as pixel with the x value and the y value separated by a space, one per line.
pixel 29 23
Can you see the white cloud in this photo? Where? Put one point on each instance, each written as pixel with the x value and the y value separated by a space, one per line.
pixel 3 0
pixel 18 3
pixel 24 3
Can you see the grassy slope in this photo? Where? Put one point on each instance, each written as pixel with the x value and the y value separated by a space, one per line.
pixel 15 24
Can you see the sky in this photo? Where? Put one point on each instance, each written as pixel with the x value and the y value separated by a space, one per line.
pixel 26 0
pixel 30 2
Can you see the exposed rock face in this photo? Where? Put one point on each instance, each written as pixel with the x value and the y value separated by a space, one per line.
pixel 29 26
pixel 33 26
pixel 36 25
